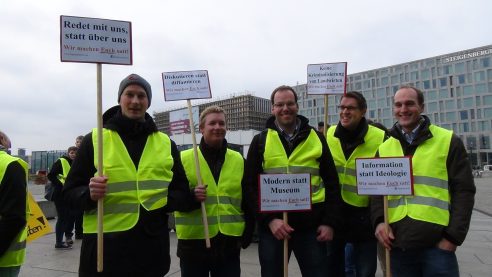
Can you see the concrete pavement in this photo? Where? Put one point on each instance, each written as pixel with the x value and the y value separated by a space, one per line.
pixel 474 256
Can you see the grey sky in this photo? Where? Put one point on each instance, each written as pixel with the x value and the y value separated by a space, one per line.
pixel 245 46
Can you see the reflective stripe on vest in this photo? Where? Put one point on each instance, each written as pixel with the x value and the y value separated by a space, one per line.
pixel 129 188
pixel 65 168
pixel 430 201
pixel 223 203
pixel 16 252
pixel 304 159
pixel 346 168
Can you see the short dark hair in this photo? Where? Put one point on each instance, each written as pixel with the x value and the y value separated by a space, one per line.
pixel 72 148
pixel 321 124
pixel 361 101
pixel 283 87
pixel 420 94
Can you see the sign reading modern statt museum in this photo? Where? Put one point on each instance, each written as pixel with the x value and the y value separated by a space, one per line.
pixel 384 176
pixel 285 192
pixel 94 40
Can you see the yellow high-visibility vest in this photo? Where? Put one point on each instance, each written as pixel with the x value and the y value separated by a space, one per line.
pixel 304 159
pixel 346 167
pixel 431 199
pixel 129 188
pixel 223 203
pixel 15 254
pixel 65 169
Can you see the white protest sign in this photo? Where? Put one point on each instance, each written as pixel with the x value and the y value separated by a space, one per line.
pixel 94 40
pixel 384 176
pixel 327 78
pixel 185 85
pixel 285 192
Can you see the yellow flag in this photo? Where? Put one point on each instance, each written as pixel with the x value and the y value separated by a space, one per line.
pixel 37 224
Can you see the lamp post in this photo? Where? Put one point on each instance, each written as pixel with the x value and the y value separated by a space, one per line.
pixel 471 145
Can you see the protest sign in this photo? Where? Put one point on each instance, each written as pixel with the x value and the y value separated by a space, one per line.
pixel 327 78
pixel 384 176
pixel 285 192
pixel 186 85
pixel 93 40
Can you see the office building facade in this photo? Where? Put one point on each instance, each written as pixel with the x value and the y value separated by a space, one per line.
pixel 457 90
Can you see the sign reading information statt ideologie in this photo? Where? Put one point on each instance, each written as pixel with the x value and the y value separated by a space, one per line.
pixel 93 40
pixel 186 85
pixel 384 176
pixel 327 78
pixel 285 192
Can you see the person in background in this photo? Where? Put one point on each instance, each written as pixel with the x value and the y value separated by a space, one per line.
pixel 142 180
pixel 425 228
pixel 321 127
pixel 229 210
pixel 57 176
pixel 13 210
pixel 78 141
pixel 289 143
pixel 350 139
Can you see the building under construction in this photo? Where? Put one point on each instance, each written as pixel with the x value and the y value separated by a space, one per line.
pixel 243 112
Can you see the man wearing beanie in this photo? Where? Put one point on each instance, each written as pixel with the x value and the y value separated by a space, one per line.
pixel 143 179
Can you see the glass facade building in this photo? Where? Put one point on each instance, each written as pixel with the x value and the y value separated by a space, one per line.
pixel 457 91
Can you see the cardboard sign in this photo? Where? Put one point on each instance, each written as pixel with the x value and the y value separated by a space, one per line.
pixel 327 78
pixel 384 176
pixel 93 40
pixel 37 224
pixel 185 85
pixel 285 192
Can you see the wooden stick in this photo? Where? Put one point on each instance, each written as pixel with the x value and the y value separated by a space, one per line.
pixel 386 223
pixel 286 248
pixel 100 207
pixel 198 175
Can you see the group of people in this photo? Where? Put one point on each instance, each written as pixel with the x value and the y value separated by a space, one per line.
pixel 145 177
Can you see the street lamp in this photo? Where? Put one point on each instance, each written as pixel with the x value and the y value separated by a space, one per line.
pixel 471 145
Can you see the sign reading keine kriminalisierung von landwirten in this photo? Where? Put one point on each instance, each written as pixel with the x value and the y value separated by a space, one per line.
pixel 326 78
pixel 186 85
pixel 285 192
pixel 384 176
pixel 94 40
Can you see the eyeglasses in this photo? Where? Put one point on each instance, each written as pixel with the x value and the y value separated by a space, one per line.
pixel 349 108
pixel 281 105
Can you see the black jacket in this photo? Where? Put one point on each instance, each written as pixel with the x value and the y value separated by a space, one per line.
pixel 411 233
pixel 327 213
pixel 356 221
pixel 56 169
pixel 145 247
pixel 12 204
pixel 222 245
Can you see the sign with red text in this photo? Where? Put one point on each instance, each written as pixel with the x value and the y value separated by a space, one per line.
pixel 94 40
pixel 327 78
pixel 185 85
pixel 384 176
pixel 179 121
pixel 285 192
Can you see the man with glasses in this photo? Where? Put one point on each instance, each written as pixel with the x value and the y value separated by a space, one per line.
pixel 290 143
pixel 353 138
pixel 426 227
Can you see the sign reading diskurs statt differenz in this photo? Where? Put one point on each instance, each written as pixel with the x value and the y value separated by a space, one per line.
pixel 186 85
pixel 285 192
pixel 93 40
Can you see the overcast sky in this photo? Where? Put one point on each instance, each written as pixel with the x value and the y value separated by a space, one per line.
pixel 250 45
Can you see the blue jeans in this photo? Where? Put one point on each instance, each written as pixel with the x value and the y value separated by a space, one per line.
pixel 428 262
pixel 11 271
pixel 363 256
pixel 309 252
pixel 225 268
